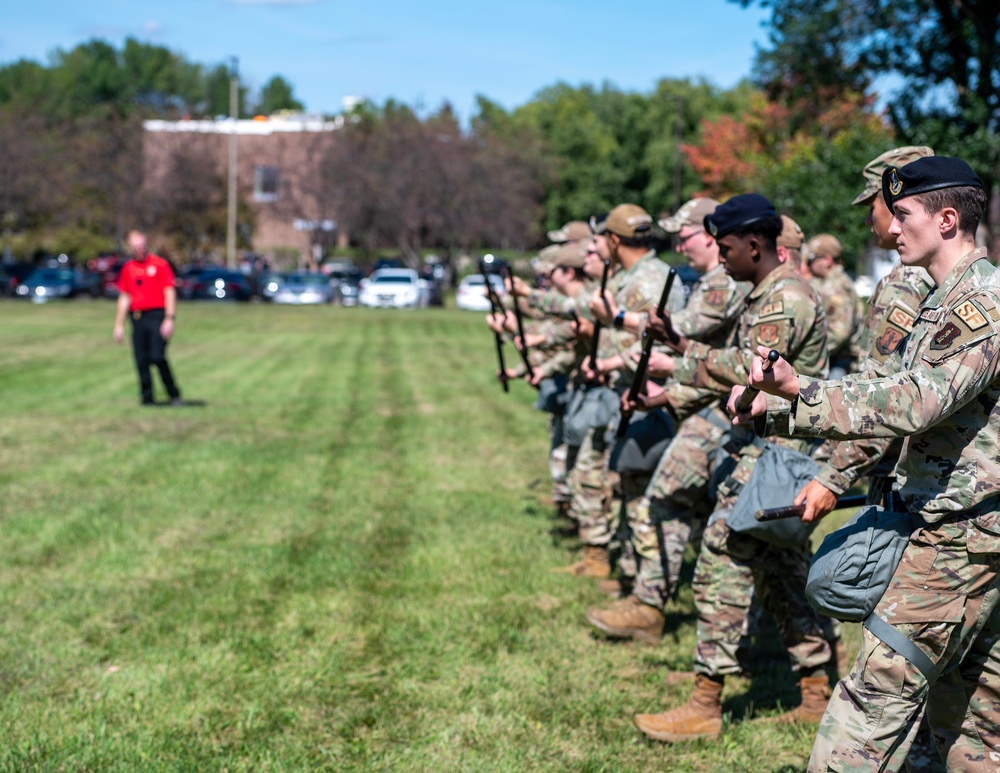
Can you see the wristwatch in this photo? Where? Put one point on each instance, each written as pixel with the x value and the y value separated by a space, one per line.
pixel 620 320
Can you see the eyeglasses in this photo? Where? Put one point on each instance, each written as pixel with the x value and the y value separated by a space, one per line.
pixel 682 240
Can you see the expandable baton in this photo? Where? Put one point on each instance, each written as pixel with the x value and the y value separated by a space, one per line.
pixel 497 308
pixel 596 338
pixel 747 398
pixel 639 380
pixel 797 511
pixel 523 348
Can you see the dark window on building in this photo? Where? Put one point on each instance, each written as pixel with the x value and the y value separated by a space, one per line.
pixel 265 183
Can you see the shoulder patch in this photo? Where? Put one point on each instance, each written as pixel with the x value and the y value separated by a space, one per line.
pixel 945 337
pixel 900 317
pixel 769 310
pixel 970 314
pixel 716 298
pixel 768 335
pixel 889 341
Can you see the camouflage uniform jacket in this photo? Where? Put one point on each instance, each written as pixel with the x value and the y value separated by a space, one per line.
pixel 638 289
pixel 554 304
pixel 942 398
pixel 782 312
pixel 715 302
pixel 892 311
pixel 841 305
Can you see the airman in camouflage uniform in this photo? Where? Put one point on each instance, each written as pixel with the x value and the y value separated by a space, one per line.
pixel 840 300
pixel 590 480
pixel 675 505
pixel 632 292
pixel 782 312
pixel 942 398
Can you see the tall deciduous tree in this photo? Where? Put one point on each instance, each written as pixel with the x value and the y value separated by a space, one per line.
pixel 944 54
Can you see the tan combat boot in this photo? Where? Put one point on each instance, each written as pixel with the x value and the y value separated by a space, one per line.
pixel 595 563
pixel 613 587
pixel 700 717
pixel 629 618
pixel 815 695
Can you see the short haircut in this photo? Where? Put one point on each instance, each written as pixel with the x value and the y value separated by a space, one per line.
pixel 639 240
pixel 768 227
pixel 968 201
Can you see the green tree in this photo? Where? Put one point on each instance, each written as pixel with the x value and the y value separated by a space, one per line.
pixel 945 55
pixel 276 95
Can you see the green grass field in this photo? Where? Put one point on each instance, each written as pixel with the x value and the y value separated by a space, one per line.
pixel 341 561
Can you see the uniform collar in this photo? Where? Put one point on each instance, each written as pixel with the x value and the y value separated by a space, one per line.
pixel 955 277
pixel 783 271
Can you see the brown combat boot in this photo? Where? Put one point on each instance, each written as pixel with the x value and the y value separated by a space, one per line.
pixel 629 618
pixel 700 717
pixel 816 694
pixel 595 563
pixel 612 587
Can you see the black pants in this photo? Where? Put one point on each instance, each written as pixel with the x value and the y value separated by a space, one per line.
pixel 150 348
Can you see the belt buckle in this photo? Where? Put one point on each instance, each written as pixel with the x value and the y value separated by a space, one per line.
pixel 137 315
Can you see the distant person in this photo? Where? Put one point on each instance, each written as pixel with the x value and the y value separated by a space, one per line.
pixel 149 296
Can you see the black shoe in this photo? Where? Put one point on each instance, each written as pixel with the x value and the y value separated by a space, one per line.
pixel 148 402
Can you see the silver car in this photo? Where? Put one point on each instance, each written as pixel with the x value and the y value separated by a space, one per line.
pixel 303 287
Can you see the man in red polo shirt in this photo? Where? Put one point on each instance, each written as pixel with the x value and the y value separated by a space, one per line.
pixel 148 295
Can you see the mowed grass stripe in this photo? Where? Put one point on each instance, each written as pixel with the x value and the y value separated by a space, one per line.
pixel 340 562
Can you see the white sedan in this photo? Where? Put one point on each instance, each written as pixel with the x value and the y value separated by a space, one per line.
pixel 471 293
pixel 397 288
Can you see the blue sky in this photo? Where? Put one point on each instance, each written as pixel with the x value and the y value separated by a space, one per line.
pixel 418 53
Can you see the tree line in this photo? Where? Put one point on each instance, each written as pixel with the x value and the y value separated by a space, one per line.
pixel 798 129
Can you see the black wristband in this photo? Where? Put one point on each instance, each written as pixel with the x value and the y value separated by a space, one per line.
pixel 620 320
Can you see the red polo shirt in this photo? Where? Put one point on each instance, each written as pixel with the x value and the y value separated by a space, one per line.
pixel 145 282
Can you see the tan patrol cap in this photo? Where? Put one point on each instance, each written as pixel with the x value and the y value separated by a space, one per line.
pixel 823 244
pixel 895 157
pixel 570 255
pixel 573 231
pixel 791 236
pixel 691 213
pixel 545 261
pixel 628 220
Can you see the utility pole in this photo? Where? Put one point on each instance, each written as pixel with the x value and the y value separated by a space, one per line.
pixel 234 115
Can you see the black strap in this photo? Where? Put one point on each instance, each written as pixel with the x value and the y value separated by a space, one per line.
pixel 895 640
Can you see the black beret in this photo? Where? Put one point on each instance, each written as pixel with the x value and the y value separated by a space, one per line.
pixel 597 223
pixel 739 211
pixel 926 174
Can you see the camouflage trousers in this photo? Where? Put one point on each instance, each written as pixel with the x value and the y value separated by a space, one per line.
pixel 945 597
pixel 733 569
pixel 557 461
pixel 591 483
pixel 633 487
pixel 675 506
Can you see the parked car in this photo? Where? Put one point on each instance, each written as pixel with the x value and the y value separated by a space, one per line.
pixel 12 274
pixel 219 285
pixel 47 283
pixel 304 287
pixel 346 290
pixel 109 267
pixel 268 283
pixel 391 287
pixel 471 293
pixel 188 277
